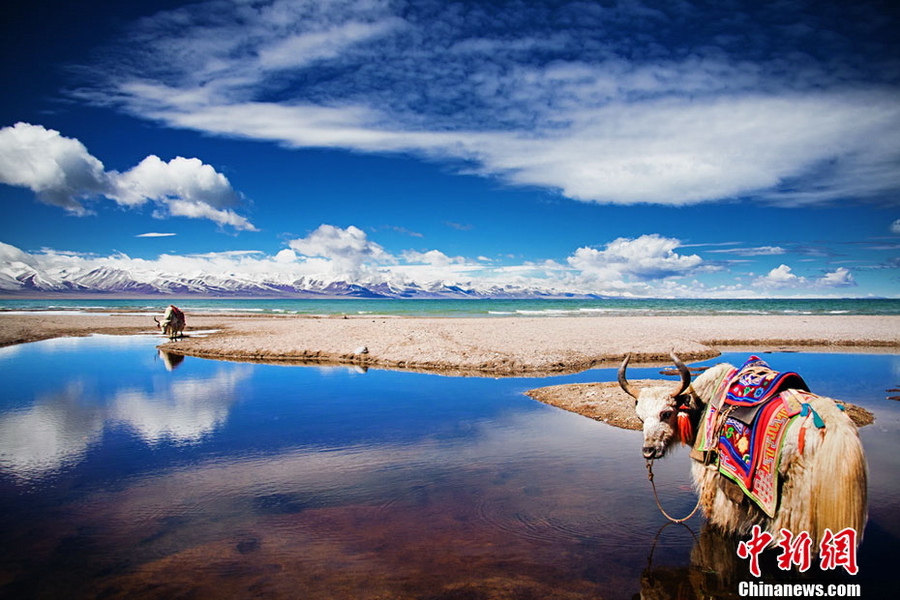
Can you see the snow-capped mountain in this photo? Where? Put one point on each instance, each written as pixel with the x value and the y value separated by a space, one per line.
pixel 21 278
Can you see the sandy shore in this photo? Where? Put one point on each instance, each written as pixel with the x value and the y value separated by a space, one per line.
pixel 476 346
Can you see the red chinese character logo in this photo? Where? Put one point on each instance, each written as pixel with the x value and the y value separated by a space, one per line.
pixel 839 550
pixel 752 548
pixel 794 551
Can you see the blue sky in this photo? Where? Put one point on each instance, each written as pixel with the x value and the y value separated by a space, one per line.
pixel 707 149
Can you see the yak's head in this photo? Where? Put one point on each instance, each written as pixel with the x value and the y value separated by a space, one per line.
pixel 664 411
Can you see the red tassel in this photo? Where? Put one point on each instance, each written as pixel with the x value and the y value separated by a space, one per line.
pixel 685 429
pixel 801 440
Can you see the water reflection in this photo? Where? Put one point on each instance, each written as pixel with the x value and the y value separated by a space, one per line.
pixel 56 430
pixel 715 571
pixel 179 411
pixel 51 429
pixel 219 479
pixel 171 361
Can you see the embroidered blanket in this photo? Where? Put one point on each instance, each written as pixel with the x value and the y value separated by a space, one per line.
pixel 172 313
pixel 755 383
pixel 745 423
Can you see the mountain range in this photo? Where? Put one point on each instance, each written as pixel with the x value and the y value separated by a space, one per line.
pixel 18 278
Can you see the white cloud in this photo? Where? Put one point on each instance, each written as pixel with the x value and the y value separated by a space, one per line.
pixel 153 234
pixel 197 209
pixel 285 256
pixel 329 241
pixel 431 257
pixel 757 251
pixel 63 173
pixel 666 152
pixel 346 250
pixel 780 277
pixel 895 227
pixel 402 231
pixel 300 49
pixel 596 112
pixel 331 253
pixel 10 254
pixel 684 151
pixel 647 258
pixel 58 169
pixel 185 178
pixel 647 266
pixel 783 277
pixel 840 277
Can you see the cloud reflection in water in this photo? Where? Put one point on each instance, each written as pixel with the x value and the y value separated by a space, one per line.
pixel 56 429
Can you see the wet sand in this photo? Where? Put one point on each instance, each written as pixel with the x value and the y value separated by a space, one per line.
pixel 606 402
pixel 474 346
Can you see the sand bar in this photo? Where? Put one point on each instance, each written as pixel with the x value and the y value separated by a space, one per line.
pixel 488 346
pixel 606 402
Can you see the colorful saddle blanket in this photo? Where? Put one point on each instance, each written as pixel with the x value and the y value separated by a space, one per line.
pixel 755 383
pixel 745 423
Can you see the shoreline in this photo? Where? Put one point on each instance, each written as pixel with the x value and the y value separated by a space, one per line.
pixel 475 346
pixel 607 403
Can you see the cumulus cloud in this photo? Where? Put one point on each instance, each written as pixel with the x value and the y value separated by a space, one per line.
pixel 783 277
pixel 840 277
pixel 431 257
pixel 647 258
pixel 331 253
pixel 187 178
pixel 617 109
pixel 649 265
pixel 895 227
pixel 346 250
pixel 780 277
pixel 63 173
pixel 58 169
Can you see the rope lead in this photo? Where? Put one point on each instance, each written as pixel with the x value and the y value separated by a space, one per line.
pixel 656 497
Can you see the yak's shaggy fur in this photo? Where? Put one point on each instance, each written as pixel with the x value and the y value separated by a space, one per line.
pixel 173 322
pixel 823 471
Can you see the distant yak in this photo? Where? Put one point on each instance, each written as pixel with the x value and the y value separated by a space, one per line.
pixel 173 322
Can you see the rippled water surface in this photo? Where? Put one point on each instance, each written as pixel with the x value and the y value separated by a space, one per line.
pixel 124 473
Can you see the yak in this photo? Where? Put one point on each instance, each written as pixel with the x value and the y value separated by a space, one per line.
pixel 820 473
pixel 173 322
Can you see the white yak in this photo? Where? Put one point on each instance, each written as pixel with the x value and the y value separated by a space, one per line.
pixel 822 469
pixel 173 322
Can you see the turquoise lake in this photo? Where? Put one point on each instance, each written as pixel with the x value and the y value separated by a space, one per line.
pixel 486 307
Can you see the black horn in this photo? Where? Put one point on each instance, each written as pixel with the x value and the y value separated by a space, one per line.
pixel 685 375
pixel 623 381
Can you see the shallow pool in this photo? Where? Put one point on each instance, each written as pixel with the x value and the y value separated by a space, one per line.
pixel 125 473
